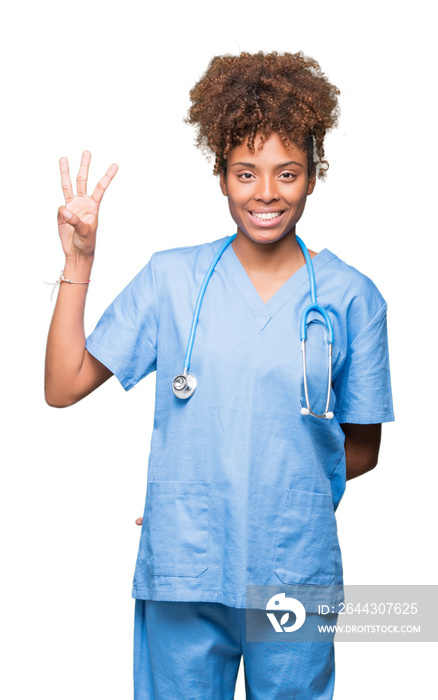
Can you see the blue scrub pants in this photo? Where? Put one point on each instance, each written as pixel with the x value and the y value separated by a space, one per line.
pixel 191 651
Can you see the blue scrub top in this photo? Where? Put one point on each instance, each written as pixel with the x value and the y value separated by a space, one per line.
pixel 242 489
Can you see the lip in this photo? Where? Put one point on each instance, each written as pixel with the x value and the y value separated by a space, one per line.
pixel 266 224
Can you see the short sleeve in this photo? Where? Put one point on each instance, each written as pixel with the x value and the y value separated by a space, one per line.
pixel 363 384
pixel 125 337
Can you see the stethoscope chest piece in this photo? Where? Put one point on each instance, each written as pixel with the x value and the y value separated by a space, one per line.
pixel 184 385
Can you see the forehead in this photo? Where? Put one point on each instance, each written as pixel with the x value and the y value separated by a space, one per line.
pixel 271 151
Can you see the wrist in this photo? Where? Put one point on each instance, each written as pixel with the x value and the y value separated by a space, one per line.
pixel 78 267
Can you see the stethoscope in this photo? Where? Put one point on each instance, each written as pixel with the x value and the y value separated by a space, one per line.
pixel 184 384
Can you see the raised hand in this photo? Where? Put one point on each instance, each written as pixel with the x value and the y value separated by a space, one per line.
pixel 77 221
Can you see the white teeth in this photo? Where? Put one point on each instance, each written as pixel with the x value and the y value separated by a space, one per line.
pixel 267 216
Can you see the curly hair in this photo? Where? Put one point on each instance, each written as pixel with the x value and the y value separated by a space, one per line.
pixel 239 97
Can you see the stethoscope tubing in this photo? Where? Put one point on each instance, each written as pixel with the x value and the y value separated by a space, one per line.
pixel 201 293
pixel 314 306
pixel 185 384
pixel 306 411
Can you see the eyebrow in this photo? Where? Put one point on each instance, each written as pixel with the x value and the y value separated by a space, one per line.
pixel 282 165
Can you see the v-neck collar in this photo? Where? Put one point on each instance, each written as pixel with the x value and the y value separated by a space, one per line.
pixel 261 311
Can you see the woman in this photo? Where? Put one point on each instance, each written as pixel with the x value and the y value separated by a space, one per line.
pixel 243 477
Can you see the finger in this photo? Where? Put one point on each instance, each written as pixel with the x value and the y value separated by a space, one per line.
pixel 81 180
pixel 65 180
pixel 67 216
pixel 104 182
pixel 139 521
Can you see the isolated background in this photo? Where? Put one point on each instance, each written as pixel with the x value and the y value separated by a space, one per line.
pixel 115 79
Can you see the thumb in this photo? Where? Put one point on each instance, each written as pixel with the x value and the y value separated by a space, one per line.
pixel 65 215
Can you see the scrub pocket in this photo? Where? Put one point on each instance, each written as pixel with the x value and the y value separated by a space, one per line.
pixel 307 541
pixel 177 527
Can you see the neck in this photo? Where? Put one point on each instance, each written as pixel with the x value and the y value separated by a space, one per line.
pixel 284 254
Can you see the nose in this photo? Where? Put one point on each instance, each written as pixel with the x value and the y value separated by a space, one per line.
pixel 267 189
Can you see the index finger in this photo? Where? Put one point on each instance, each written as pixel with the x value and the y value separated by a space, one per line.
pixel 65 180
pixel 102 185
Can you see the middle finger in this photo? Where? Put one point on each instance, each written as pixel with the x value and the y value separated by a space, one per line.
pixel 81 180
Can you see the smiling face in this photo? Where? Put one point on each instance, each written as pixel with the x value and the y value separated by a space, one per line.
pixel 267 189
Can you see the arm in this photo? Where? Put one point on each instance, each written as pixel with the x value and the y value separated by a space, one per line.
pixel 71 372
pixel 362 444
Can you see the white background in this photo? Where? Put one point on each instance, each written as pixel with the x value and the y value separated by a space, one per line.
pixel 114 78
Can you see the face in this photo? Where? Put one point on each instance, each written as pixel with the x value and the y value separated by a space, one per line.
pixel 267 189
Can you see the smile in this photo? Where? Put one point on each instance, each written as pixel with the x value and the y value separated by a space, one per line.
pixel 265 218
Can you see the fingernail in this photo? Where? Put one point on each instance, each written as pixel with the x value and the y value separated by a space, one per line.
pixel 66 214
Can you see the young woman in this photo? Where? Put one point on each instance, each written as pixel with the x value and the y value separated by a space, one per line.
pixel 250 450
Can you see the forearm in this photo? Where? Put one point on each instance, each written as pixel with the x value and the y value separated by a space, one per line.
pixel 358 464
pixel 66 340
pixel 362 444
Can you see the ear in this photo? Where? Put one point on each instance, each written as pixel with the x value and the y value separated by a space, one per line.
pixel 312 182
pixel 223 183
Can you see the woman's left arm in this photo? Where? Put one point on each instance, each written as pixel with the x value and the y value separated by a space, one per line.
pixel 362 444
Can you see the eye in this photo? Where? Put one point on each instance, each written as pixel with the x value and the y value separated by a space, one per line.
pixel 288 176
pixel 245 176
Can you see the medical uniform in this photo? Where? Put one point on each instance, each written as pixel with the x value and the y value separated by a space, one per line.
pixel 242 488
